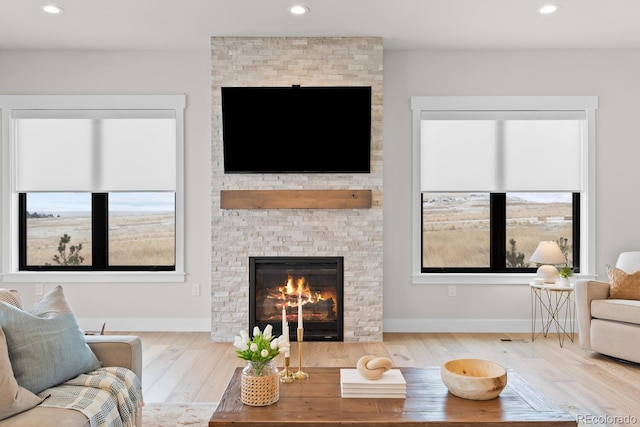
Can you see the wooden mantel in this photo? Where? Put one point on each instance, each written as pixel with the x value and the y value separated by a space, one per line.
pixel 295 199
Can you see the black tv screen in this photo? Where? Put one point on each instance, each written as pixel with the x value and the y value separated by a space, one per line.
pixel 296 129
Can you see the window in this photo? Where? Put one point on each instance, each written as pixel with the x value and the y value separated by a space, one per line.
pixel 96 187
pixel 496 232
pixel 493 177
pixel 97 231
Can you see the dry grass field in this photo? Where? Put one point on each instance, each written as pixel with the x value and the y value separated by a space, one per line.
pixel 133 239
pixel 457 234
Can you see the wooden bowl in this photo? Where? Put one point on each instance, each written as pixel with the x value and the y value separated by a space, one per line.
pixel 474 379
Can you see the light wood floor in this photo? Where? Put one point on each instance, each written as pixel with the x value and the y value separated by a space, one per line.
pixel 189 367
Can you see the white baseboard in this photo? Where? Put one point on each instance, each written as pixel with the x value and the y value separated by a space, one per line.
pixel 457 325
pixel 147 324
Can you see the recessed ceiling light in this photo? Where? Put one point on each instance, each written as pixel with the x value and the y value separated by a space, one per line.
pixel 548 9
pixel 299 10
pixel 52 9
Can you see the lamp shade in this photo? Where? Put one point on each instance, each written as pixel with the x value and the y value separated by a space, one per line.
pixel 548 252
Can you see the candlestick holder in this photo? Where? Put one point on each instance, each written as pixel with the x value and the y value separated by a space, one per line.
pixel 300 375
pixel 284 370
pixel 286 376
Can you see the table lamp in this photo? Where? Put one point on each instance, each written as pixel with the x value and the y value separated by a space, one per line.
pixel 548 254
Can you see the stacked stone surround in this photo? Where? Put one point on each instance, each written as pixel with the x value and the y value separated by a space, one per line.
pixel 355 234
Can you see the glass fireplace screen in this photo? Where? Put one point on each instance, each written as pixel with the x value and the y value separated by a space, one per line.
pixel 315 283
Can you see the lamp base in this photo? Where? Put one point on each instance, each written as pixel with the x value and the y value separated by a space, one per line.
pixel 548 273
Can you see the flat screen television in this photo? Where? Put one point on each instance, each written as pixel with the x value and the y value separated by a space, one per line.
pixel 296 129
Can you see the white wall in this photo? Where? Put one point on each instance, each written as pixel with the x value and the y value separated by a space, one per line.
pixel 135 306
pixel 611 75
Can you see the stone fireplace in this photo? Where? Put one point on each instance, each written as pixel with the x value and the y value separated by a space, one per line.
pixel 352 234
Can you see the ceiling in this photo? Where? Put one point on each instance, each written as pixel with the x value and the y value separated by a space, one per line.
pixel 403 24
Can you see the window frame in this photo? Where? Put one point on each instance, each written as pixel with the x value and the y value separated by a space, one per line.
pixel 10 196
pixel 587 235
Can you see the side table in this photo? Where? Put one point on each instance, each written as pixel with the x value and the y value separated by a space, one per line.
pixel 554 305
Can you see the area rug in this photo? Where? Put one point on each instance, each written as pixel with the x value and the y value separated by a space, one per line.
pixel 177 414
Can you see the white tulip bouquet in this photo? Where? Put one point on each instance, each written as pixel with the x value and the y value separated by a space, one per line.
pixel 261 349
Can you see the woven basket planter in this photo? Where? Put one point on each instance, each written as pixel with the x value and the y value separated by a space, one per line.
pixel 260 390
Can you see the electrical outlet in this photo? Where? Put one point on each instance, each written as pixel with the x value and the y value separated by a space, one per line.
pixel 39 289
pixel 195 289
pixel 452 290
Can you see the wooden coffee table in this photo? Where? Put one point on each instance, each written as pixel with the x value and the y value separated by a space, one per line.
pixel 317 402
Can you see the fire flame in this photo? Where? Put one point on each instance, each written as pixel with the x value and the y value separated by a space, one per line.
pixel 299 290
pixel 320 303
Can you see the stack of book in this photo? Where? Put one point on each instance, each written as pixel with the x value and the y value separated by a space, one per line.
pixel 391 385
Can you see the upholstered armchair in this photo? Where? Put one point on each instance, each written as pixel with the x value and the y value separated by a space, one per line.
pixel 608 313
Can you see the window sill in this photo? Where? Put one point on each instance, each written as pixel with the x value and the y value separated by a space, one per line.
pixel 94 277
pixel 480 279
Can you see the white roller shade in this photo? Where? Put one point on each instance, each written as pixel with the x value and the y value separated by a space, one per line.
pixel 95 150
pixel 500 151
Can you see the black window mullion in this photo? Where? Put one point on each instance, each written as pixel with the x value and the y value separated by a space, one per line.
pixel 576 232
pixel 100 230
pixel 498 231
pixel 22 230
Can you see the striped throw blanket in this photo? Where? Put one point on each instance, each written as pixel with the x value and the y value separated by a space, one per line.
pixel 109 397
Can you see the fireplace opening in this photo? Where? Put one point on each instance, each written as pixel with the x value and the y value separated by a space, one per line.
pixel 313 283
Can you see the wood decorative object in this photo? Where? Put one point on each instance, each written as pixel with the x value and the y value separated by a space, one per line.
pixel 295 199
pixel 474 379
pixel 372 367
